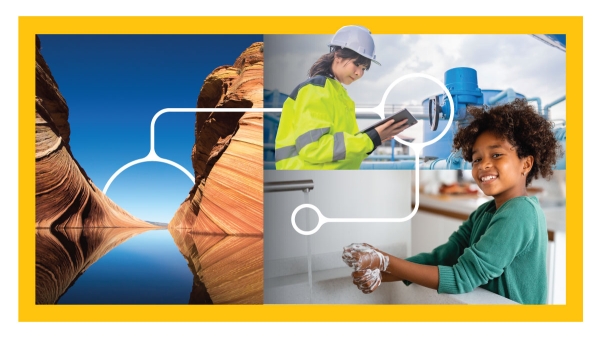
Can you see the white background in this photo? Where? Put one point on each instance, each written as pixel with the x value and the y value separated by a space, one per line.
pixel 9 174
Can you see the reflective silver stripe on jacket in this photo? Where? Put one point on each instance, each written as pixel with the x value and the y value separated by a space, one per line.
pixel 285 153
pixel 304 139
pixel 339 146
pixel 309 137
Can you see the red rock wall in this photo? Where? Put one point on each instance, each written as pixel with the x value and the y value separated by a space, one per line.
pixel 227 156
pixel 65 196
pixel 63 255
pixel 227 269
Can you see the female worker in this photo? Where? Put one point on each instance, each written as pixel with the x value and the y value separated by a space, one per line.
pixel 318 129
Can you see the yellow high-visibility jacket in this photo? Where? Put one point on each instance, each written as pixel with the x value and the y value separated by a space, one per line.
pixel 318 129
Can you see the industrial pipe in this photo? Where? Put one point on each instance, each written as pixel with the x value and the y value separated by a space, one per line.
pixel 390 157
pixel 439 164
pixel 548 106
pixel 397 165
pixel 539 103
pixel 508 93
pixel 367 115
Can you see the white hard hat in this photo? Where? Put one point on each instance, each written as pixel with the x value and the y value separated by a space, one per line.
pixel 356 38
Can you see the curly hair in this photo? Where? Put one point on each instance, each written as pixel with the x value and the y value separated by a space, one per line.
pixel 521 126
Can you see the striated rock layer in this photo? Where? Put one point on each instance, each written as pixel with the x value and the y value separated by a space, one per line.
pixel 62 255
pixel 65 196
pixel 227 269
pixel 227 197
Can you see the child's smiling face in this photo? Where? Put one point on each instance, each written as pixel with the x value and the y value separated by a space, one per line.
pixel 497 168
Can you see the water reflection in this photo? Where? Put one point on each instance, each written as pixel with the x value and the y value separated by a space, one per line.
pixel 146 266
pixel 62 256
pixel 227 269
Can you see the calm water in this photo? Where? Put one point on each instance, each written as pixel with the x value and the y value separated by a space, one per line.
pixel 139 266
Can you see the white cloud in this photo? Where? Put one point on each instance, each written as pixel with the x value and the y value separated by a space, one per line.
pixel 521 62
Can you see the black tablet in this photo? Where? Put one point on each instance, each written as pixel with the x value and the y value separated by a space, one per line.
pixel 398 116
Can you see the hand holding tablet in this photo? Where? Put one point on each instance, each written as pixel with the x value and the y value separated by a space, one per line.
pixel 393 125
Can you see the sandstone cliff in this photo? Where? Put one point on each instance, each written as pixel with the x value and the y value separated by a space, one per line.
pixel 227 269
pixel 227 197
pixel 65 196
pixel 62 255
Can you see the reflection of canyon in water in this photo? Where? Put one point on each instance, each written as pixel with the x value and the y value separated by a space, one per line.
pixel 147 266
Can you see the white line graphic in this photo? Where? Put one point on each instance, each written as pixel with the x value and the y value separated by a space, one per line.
pixel 153 157
pixel 416 147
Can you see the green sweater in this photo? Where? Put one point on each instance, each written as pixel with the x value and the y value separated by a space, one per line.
pixel 503 251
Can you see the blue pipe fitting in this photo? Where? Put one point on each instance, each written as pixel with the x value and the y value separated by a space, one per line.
pixel 539 103
pixel 439 163
pixel 509 94
pixel 462 85
pixel 455 161
pixel 551 104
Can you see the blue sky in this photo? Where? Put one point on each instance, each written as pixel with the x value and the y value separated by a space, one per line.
pixel 113 85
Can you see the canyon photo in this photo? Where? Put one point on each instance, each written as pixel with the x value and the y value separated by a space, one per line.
pixel 79 227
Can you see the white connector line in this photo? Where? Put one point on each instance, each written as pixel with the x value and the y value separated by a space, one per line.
pixel 323 219
pixel 417 148
pixel 153 157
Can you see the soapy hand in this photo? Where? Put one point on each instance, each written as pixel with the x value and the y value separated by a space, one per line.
pixel 367 280
pixel 362 256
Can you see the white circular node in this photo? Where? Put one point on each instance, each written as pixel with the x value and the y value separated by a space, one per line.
pixel 322 219
pixel 148 158
pixel 436 81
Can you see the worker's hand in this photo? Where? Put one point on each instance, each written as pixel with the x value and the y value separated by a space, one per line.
pixel 367 280
pixel 361 256
pixel 389 129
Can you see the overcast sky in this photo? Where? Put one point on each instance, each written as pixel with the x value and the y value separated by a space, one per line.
pixel 521 62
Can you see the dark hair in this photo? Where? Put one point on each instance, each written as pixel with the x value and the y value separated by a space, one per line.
pixel 323 65
pixel 520 125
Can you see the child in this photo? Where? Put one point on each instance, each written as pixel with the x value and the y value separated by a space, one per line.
pixel 501 247
pixel 318 129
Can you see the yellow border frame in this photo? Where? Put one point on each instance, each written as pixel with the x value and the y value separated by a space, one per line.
pixel 30 26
